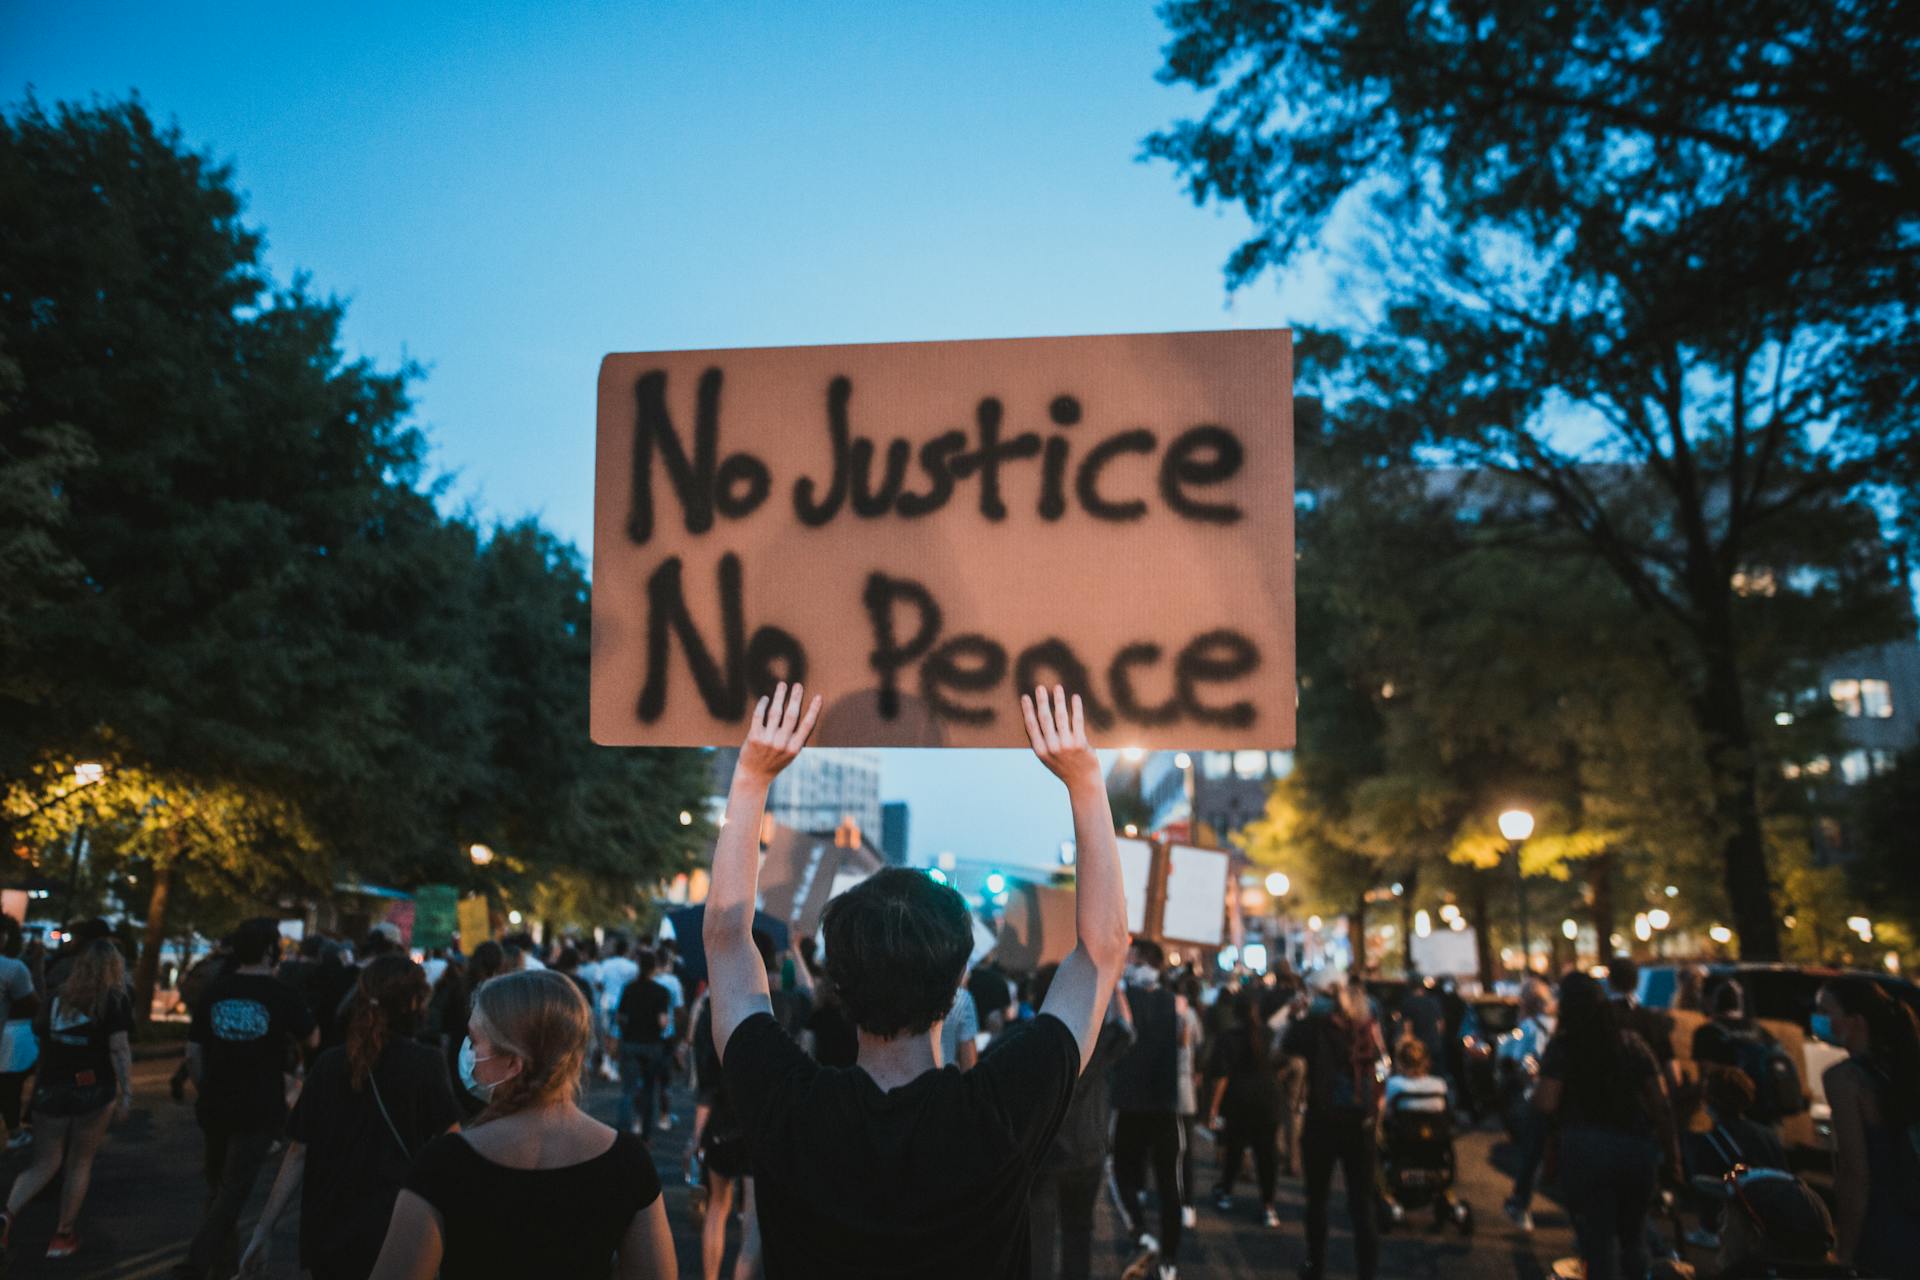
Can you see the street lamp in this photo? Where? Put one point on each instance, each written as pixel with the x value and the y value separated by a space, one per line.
pixel 1278 884
pixel 87 773
pixel 1132 755
pixel 1182 761
pixel 1516 825
pixel 480 853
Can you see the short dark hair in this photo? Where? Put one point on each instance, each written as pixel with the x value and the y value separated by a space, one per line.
pixel 255 940
pixel 1150 951
pixel 645 959
pixel 1623 975
pixel 897 947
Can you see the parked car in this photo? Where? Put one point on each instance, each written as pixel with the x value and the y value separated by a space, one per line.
pixel 1782 995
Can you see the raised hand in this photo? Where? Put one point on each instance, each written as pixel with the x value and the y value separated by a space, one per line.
pixel 778 732
pixel 1058 734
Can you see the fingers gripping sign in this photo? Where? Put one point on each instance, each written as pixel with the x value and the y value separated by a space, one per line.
pixel 779 731
pixel 1057 731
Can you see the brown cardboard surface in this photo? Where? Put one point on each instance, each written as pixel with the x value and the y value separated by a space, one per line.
pixel 1121 566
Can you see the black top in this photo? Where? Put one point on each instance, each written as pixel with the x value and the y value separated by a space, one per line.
pixel 1719 1040
pixel 991 991
pixel 1425 1019
pixel 929 1179
pixel 1253 1079
pixel 836 1041
pixel 1654 1028
pixel 1147 1078
pixel 517 1223
pixel 1610 1097
pixel 244 1027
pixel 645 1007
pixel 1082 1140
pixel 356 1164
pixel 1341 1059
pixel 75 1047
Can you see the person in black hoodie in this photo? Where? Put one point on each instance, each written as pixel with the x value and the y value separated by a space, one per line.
pixel 1337 1036
pixel 1068 1185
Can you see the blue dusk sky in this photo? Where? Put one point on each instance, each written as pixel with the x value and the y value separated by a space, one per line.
pixel 506 192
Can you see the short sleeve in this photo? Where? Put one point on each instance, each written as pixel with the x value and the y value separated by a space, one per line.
pixel 19 982
pixel 118 1015
pixel 437 1175
pixel 1028 1075
pixel 758 1059
pixel 967 1020
pixel 641 1177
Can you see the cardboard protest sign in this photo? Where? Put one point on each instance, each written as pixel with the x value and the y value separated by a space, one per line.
pixel 919 530
pixel 1196 904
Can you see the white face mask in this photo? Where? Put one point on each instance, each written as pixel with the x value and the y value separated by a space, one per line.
pixel 1143 975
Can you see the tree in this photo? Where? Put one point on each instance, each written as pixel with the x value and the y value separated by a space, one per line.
pixel 1665 238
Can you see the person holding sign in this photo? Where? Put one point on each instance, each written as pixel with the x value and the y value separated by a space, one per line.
pixel 900 1165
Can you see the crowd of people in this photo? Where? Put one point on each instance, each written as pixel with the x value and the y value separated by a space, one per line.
pixel 878 1104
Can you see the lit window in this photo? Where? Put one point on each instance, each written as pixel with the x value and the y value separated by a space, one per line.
pixel 1876 699
pixel 1281 762
pixel 1216 764
pixel 1855 768
pixel 1819 767
pixel 1846 696
pixel 1249 764
pixel 1882 761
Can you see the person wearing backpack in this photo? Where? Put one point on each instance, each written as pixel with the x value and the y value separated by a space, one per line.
pixel 1732 1039
pixel 1340 1041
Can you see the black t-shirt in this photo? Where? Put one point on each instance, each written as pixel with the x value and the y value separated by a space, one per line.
pixel 836 1041
pixel 1253 1078
pixel 517 1223
pixel 244 1027
pixel 1609 1097
pixel 1654 1028
pixel 356 1164
pixel 929 1179
pixel 76 1043
pixel 1147 1078
pixel 645 1007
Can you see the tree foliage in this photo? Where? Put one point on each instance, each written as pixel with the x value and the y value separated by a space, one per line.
pixel 1655 263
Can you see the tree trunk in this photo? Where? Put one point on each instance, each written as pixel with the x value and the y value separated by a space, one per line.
pixel 149 966
pixel 1600 882
pixel 1722 713
pixel 1357 932
pixel 1482 930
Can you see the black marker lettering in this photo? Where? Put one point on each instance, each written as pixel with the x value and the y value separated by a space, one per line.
pixel 692 477
pixel 935 456
pixel 968 664
pixel 889 655
pixel 1062 667
pixel 1120 681
pixel 1087 482
pixel 812 513
pixel 868 501
pixel 1215 658
pixel 1203 455
pixel 992 452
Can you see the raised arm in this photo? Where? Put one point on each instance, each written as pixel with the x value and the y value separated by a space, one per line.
pixel 738 979
pixel 1086 978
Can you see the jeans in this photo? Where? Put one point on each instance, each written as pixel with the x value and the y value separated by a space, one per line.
pixel 1533 1149
pixel 1138 1135
pixel 1608 1179
pixel 1345 1138
pixel 1061 1208
pixel 234 1161
pixel 643 1074
pixel 1263 1138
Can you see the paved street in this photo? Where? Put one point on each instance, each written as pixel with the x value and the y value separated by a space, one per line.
pixel 146 1199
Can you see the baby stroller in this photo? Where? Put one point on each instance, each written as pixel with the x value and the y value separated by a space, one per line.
pixel 1416 1166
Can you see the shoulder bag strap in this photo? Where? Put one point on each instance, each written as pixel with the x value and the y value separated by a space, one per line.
pixel 392 1128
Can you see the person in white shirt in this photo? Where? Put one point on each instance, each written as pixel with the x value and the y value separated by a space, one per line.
pixel 616 971
pixel 1413 1086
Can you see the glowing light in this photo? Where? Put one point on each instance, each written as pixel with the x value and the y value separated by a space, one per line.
pixel 1720 934
pixel 1892 961
pixel 1643 927
pixel 945 860
pixel 1256 957
pixel 1862 926
pixel 1398 888
pixel 480 854
pixel 1516 824
pixel 1783 717
pixel 1132 755
pixel 1227 956
pixel 1658 918
pixel 1458 923
pixel 513 917
pixel 1313 923
pixel 1278 884
pixel 1792 922
pixel 1672 891
pixel 89 773
pixel 936 875
pixel 1132 829
pixel 1449 913
pixel 686 819
pixel 996 883
pixel 1183 761
pixel 1569 929
pixel 1422 923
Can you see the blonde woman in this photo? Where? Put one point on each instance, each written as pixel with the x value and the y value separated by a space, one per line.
pixel 85 1084
pixel 533 1186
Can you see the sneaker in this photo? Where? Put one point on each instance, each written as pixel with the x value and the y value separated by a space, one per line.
pixel 1142 1266
pixel 1271 1217
pixel 666 1124
pixel 64 1244
pixel 1518 1216
pixel 1168 1271
pixel 1189 1217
